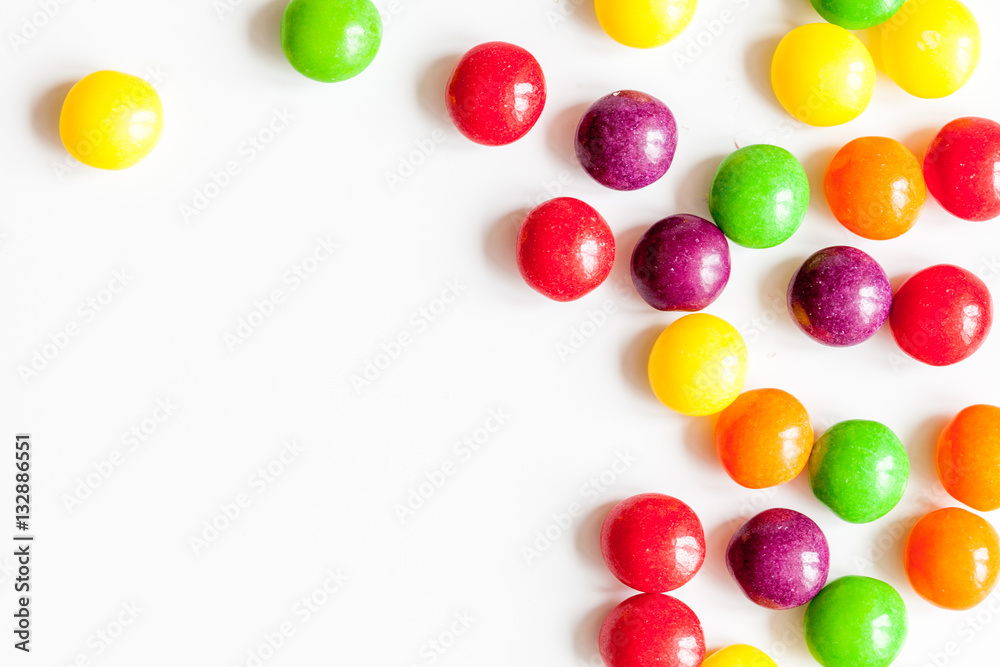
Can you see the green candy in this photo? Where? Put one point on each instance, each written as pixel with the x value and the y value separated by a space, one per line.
pixel 857 14
pixel 330 40
pixel 856 622
pixel 859 469
pixel 759 196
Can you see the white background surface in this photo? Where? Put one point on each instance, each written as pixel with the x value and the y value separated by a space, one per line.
pixel 67 228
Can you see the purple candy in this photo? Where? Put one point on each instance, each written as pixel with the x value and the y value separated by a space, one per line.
pixel 681 263
pixel 840 296
pixel 626 140
pixel 780 558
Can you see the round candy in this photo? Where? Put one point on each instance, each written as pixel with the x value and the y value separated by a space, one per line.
pixel 653 543
pixel 652 629
pixel 875 188
pixel 330 41
pixel 961 167
pixel 681 263
pixel 111 120
pixel 764 438
pixel 779 558
pixel 626 140
pixel 930 48
pixel 565 249
pixel 856 621
pixel 941 315
pixel 859 470
pixel 822 74
pixel 644 24
pixel 952 558
pixel 496 93
pixel 857 14
pixel 698 365
pixel 759 196
pixel 840 296
pixel 968 457
pixel 739 655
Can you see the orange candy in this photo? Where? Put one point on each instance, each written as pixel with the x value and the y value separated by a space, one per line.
pixel 875 187
pixel 764 438
pixel 968 457
pixel 952 558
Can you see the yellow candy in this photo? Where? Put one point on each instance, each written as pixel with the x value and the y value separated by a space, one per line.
pixel 644 24
pixel 698 365
pixel 822 74
pixel 111 120
pixel 930 48
pixel 739 655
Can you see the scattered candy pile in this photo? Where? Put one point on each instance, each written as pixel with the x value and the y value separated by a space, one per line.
pixel 823 75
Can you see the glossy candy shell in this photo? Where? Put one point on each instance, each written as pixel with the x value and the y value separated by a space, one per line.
pixel 330 41
pixel 859 469
pixel 952 558
pixel 780 559
pixel 962 168
pixel 840 296
pixel 930 48
pixel 652 629
pixel 626 140
pixel 681 263
pixel 822 74
pixel 856 621
pixel 653 543
pixel 941 315
pixel 644 24
pixel 565 249
pixel 496 93
pixel 875 188
pixel 764 438
pixel 968 457
pixel 111 120
pixel 698 365
pixel 759 196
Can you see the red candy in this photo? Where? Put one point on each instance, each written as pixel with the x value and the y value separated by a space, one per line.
pixel 650 630
pixel 653 543
pixel 941 315
pixel 565 249
pixel 496 93
pixel 962 168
